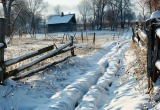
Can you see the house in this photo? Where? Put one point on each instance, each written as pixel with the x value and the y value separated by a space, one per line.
pixel 61 23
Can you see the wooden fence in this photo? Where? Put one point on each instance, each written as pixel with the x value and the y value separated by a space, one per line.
pixel 150 38
pixel 157 49
pixel 51 52
pixel 2 47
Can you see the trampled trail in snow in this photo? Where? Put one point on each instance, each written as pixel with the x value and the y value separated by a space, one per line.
pixel 90 82
pixel 96 97
pixel 88 92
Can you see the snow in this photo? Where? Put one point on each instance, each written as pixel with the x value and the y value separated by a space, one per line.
pixel 1 45
pixel 96 81
pixel 155 14
pixel 0 69
pixel 142 35
pixel 158 32
pixel 59 19
pixel 157 64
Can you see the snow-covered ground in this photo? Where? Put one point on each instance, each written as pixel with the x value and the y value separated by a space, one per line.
pixel 87 82
pixel 100 33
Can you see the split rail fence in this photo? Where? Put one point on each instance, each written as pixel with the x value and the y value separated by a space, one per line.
pixel 51 52
pixel 150 38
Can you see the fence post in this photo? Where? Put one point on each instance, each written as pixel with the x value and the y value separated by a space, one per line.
pixel 133 34
pixel 67 36
pixel 75 37
pixel 2 40
pixel 94 38
pixel 63 37
pixel 72 50
pixel 82 35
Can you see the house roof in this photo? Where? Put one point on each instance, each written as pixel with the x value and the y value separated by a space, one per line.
pixel 57 19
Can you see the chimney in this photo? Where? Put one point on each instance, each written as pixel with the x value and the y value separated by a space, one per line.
pixel 62 14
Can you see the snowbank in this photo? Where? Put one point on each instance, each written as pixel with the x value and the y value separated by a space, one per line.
pixel 94 97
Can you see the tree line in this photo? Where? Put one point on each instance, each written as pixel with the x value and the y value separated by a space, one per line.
pixel 117 13
pixel 97 12
pixel 23 16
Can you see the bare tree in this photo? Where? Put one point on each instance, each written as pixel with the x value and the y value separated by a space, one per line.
pixel 98 8
pixel 153 5
pixel 142 5
pixel 57 10
pixel 113 13
pixel 124 7
pixel 35 8
pixel 27 13
pixel 10 15
pixel 120 9
pixel 23 19
pixel 7 13
pixel 84 10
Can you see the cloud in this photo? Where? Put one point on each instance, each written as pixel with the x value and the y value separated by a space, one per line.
pixel 67 6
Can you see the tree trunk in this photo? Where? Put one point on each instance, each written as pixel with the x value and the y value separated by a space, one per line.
pixel 7 13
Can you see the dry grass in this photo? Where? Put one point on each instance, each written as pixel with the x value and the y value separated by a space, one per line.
pixel 21 46
pixel 137 68
pixel 140 65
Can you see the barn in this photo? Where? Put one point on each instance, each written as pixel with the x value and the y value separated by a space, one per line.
pixel 62 23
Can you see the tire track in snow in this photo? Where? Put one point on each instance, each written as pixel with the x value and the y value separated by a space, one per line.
pixel 93 99
pixel 69 98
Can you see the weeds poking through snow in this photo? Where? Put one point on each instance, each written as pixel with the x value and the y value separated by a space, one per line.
pixel 137 68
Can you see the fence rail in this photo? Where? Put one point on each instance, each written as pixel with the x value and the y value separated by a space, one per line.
pixel 26 56
pixel 2 47
pixel 151 37
pixel 47 52
pixel 32 72
pixel 139 36
pixel 157 49
pixel 41 58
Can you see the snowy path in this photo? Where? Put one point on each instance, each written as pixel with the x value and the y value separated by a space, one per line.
pixel 88 92
pixel 97 95
pixel 91 82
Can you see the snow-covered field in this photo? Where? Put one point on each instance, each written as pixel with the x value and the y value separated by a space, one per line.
pixel 95 81
pixel 100 33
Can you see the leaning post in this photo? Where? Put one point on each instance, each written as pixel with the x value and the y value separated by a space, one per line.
pixel 151 27
pixel 2 40
pixel 82 36
pixel 72 50
pixel 94 38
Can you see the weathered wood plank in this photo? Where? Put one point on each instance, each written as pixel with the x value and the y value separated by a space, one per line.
pixel 46 56
pixel 1 75
pixel 32 72
pixel 29 55
pixel 2 41
pixel 94 38
pixel 133 36
pixel 142 35
pixel 65 50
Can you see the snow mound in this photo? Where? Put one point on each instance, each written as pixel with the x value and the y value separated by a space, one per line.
pixel 94 97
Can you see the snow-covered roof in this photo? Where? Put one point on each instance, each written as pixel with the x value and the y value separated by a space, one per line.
pixel 155 14
pixel 60 19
